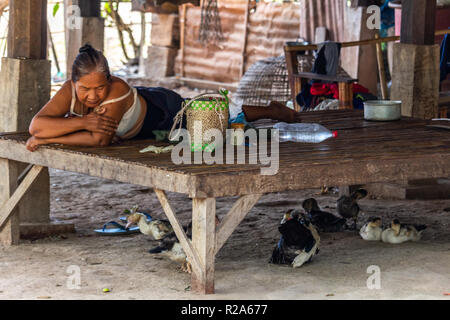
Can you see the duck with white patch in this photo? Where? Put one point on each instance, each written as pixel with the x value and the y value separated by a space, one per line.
pixel 299 240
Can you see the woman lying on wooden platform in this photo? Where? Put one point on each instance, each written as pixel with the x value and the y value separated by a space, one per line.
pixel 95 108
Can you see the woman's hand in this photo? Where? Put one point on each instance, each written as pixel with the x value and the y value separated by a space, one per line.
pixel 99 123
pixel 33 143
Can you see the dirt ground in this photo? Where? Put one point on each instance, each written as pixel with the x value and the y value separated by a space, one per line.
pixel 40 269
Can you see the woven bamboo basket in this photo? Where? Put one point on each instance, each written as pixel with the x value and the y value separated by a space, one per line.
pixel 212 112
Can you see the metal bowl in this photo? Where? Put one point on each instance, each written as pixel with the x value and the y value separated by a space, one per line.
pixel 382 110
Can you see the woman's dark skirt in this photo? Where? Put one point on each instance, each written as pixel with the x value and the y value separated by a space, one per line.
pixel 162 106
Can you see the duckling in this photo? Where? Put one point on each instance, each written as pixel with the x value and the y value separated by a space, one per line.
pixel 157 229
pixel 324 221
pixel 399 233
pixel 347 206
pixel 372 230
pixel 170 247
pixel 298 243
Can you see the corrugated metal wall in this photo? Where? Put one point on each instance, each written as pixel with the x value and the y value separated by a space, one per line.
pixel 316 13
pixel 269 27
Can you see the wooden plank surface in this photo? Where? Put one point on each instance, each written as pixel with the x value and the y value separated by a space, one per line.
pixel 363 152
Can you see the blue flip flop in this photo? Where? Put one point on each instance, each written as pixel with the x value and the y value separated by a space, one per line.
pixel 149 218
pixel 119 230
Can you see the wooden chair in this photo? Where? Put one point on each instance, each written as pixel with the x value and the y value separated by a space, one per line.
pixel 298 80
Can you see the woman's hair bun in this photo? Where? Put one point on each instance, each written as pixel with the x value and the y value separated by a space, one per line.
pixel 87 48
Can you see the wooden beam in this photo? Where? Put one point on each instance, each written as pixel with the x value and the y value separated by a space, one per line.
pixel 194 260
pixel 418 22
pixel 356 43
pixel 203 240
pixel 27 33
pixel 234 217
pixel 7 209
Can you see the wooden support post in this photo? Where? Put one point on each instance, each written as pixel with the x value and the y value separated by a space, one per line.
pixel 415 79
pixel 89 8
pixel 203 240
pixel 27 33
pixel 83 25
pixel 25 88
pixel 418 22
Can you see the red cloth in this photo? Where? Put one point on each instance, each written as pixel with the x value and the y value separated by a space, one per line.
pixel 320 89
pixel 327 89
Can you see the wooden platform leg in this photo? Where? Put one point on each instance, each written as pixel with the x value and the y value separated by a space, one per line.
pixel 9 172
pixel 203 241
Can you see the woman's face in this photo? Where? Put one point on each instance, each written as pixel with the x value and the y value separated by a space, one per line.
pixel 92 89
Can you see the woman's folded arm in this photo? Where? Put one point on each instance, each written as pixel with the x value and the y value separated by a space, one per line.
pixel 50 127
pixel 82 138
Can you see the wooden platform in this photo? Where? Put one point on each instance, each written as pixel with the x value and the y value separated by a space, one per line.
pixel 363 152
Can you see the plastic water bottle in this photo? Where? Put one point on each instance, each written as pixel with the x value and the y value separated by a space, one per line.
pixel 304 132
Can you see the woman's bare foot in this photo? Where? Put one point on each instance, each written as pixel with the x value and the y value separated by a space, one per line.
pixel 275 111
